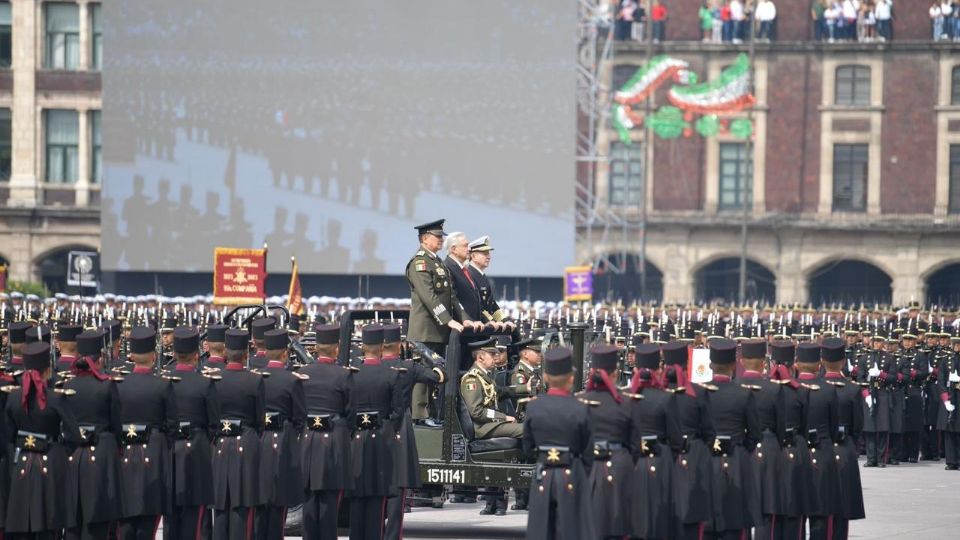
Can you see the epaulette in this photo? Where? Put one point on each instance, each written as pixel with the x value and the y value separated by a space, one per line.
pixel 780 381
pixel 839 384
pixel 420 253
pixel 210 370
pixel 352 369
pixel 171 378
pixel 589 402
pixel 400 369
pixel 753 387
pixel 633 396
pixel 707 386
pixel 813 387
pixel 863 384
pixel 117 379
pixel 677 390
pixel 65 391
pixel 212 376
pixel 9 388
pixel 580 393
pixel 301 376
pixel 16 373
pixel 121 371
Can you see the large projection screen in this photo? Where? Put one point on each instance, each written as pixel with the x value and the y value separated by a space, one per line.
pixel 329 129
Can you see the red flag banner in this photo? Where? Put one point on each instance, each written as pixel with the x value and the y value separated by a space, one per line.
pixel 295 294
pixel 239 275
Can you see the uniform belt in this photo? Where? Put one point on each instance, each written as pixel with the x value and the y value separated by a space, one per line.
pixel 842 433
pixel 320 422
pixel 789 437
pixel 813 438
pixel 29 441
pixel 184 430
pixel 603 449
pixel 274 421
pixel 724 445
pixel 136 433
pixel 554 456
pixel 89 435
pixel 232 427
pixel 368 420
pixel 650 445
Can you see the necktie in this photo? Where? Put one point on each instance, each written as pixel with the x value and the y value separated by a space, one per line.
pixel 470 279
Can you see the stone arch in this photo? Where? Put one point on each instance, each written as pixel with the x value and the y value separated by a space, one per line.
pixel 849 280
pixel 718 276
pixel 940 282
pixel 810 269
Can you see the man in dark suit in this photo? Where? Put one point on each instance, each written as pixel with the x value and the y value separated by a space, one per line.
pixel 480 255
pixel 457 263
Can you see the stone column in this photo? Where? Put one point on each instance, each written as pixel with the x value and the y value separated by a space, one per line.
pixel 24 185
pixel 85 36
pixel 83 157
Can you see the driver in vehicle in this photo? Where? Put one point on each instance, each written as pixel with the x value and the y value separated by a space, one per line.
pixel 480 394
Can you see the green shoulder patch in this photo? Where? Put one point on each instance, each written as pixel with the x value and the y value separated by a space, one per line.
pixel 420 266
pixel 471 386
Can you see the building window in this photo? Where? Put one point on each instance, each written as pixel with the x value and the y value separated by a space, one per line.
pixel 6 35
pixel 96 39
pixel 62 36
pixel 6 148
pixel 96 154
pixel 626 174
pixel 736 176
pixel 955 86
pixel 62 131
pixel 850 177
pixel 954 204
pixel 853 85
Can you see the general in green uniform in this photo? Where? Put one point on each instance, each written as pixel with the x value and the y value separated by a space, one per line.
pixel 480 395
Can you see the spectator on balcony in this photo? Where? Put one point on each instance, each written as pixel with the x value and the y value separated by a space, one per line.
pixel 659 14
pixel 716 11
pixel 706 21
pixel 866 21
pixel 946 11
pixel 832 17
pixel 726 22
pixel 624 24
pixel 766 16
pixel 817 9
pixel 849 14
pixel 883 14
pixel 738 16
pixel 955 21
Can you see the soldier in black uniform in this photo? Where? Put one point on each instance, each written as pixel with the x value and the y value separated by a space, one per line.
pixel 148 412
pixel 612 426
pixel 216 334
pixel 236 460
pixel 17 337
pixel 558 429
pixel 691 471
pixel 735 419
pixel 931 437
pixel 877 378
pixel 407 461
pixel 823 430
pixel 850 422
pixel 67 343
pixel 655 437
pixel 948 392
pixel 198 415
pixel 43 432
pixel 377 412
pixel 915 369
pixel 259 328
pixel 95 465
pixel 286 416
pixel 326 443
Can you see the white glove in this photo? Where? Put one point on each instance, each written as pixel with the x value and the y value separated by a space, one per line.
pixel 869 400
pixel 954 377
pixel 950 406
pixel 874 371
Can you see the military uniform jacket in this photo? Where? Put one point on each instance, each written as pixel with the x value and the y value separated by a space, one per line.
pixel 767 481
pixel 915 369
pixel 198 420
pixel 563 422
pixel 489 309
pixel 931 406
pixel 407 463
pixel 878 418
pixel 480 396
pixel 655 438
pixel 610 474
pixel 691 475
pixel 850 425
pixel 433 299
pixel 948 391
pixel 377 404
pixel 326 442
pixel 236 457
pixel 467 292
pixel 280 467
pixel 95 468
pixel 823 431
pixel 37 498
pixel 148 411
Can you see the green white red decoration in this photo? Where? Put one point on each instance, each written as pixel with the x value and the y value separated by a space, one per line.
pixel 727 94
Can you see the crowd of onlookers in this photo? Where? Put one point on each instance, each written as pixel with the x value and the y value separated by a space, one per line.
pixel 736 21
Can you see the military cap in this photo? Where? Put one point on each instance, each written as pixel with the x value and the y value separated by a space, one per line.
pixel 237 339
pixel 276 340
pixel 372 334
pixel 723 351
pixel 488 344
pixel 261 325
pixel 36 356
pixel 90 343
pixel 675 353
pixel 38 333
pixel 534 343
pixel 391 333
pixel 833 349
pixel 186 339
pixel 604 357
pixel 68 332
pixel 808 353
pixel 142 340
pixel 481 244
pixel 558 362
pixel 753 348
pixel 648 356
pixel 113 328
pixel 782 352
pixel 328 334
pixel 216 333
pixel 18 331
pixel 434 227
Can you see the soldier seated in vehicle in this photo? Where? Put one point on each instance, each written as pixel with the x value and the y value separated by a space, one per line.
pixel 480 394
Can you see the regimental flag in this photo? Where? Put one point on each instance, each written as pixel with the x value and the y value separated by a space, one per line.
pixel 577 283
pixel 699 366
pixel 295 293
pixel 239 275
